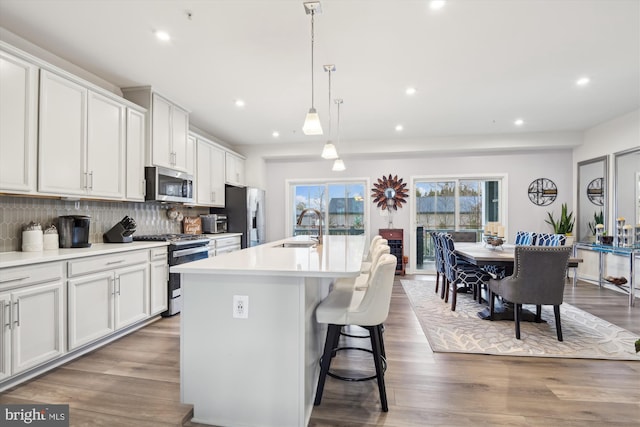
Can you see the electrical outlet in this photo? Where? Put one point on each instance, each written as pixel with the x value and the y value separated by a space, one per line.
pixel 240 306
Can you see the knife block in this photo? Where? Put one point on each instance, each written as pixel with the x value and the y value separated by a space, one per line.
pixel 116 235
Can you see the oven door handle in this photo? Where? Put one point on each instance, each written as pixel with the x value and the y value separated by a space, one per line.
pixel 190 251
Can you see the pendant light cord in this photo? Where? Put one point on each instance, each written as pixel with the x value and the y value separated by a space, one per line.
pixel 338 124
pixel 329 137
pixel 313 13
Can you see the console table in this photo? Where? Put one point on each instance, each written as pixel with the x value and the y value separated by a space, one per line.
pixel 631 253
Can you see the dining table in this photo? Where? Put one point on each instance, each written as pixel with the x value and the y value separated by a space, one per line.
pixel 503 256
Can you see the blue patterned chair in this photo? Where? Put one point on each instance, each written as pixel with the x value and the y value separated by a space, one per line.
pixel 546 239
pixel 439 260
pixel 525 238
pixel 467 275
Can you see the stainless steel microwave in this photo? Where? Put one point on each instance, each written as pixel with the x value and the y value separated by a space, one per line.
pixel 168 185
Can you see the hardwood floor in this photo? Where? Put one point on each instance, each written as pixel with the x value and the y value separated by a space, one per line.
pixel 135 380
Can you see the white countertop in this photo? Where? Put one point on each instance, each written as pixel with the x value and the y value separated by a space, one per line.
pixel 13 259
pixel 338 256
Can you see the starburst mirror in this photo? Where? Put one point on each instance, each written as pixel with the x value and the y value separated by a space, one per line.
pixel 389 192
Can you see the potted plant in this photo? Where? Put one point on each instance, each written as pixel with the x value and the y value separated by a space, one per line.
pixel 565 224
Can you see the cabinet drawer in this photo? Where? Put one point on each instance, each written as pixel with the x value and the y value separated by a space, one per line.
pixel 106 262
pixel 31 275
pixel 227 241
pixel 158 254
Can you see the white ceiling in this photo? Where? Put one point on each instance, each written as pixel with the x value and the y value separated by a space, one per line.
pixel 477 65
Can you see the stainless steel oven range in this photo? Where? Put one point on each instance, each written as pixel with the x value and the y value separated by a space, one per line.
pixel 183 248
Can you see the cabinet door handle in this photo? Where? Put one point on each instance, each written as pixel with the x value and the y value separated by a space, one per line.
pixel 6 308
pixel 91 180
pixel 144 187
pixel 17 305
pixel 86 181
pixel 118 279
pixel 15 279
pixel 115 262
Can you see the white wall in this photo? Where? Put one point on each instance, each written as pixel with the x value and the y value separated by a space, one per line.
pixel 520 168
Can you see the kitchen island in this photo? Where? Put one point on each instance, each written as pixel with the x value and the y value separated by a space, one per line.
pixel 249 341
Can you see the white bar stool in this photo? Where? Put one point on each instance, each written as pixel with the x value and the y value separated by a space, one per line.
pixel 361 282
pixel 368 309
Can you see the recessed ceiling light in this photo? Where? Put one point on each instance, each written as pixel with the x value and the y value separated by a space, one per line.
pixel 583 81
pixel 437 4
pixel 239 103
pixel 399 128
pixel 411 91
pixel 275 134
pixel 163 35
pixel 518 122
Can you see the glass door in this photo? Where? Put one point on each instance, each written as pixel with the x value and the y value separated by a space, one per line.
pixel 452 204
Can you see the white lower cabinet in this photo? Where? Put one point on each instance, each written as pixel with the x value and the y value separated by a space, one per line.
pixel 42 308
pixel 159 276
pixel 103 302
pixel 32 326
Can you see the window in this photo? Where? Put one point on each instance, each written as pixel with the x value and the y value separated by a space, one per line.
pixel 453 204
pixel 341 204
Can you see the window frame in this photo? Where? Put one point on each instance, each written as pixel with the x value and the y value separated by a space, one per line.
pixel 503 202
pixel 290 198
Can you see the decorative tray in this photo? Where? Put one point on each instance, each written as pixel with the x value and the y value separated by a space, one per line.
pixel 493 241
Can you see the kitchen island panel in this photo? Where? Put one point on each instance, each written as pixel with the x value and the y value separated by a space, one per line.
pixel 256 371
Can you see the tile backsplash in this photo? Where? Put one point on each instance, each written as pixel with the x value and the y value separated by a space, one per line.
pixel 151 218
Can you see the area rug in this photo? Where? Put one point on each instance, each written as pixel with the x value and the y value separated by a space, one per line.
pixel 462 331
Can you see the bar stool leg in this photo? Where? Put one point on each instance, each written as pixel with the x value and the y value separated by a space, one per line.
pixel 333 335
pixel 376 346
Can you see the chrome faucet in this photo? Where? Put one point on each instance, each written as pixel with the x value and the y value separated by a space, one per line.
pixel 319 215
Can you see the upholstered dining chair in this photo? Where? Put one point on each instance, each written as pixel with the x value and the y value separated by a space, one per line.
pixel 467 275
pixel 538 278
pixel 368 309
pixel 438 258
pixel 525 238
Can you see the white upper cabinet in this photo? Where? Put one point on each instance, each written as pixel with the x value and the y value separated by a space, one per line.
pixel 179 132
pixel 234 169
pixel 63 136
pixel 105 147
pixel 135 184
pixel 191 155
pixel 18 124
pixel 167 128
pixel 210 167
pixel 82 140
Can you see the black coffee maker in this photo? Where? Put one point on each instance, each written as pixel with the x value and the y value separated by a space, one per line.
pixel 73 231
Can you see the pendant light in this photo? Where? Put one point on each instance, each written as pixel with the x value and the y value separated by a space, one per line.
pixel 312 121
pixel 329 150
pixel 338 164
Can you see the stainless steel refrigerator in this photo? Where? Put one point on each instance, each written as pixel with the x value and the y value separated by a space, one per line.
pixel 245 211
